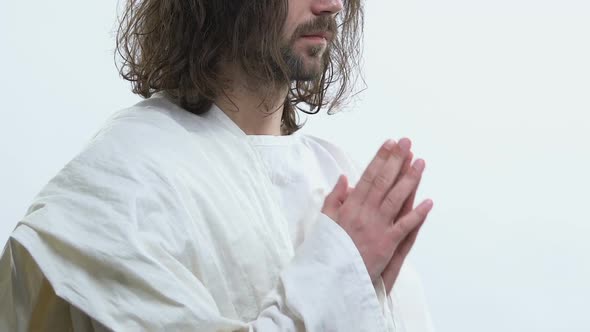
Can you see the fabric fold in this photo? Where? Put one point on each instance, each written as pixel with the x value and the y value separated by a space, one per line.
pixel 166 221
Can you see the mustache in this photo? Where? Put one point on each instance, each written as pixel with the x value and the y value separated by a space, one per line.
pixel 320 24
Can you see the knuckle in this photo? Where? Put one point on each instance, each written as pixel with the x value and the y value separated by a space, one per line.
pixel 391 202
pixel 403 227
pixel 412 175
pixel 398 153
pixel 419 214
pixel 407 184
pixel 395 233
pixel 381 182
pixel 383 153
pixel 368 176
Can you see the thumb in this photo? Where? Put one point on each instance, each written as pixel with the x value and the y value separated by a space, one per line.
pixel 348 191
pixel 335 198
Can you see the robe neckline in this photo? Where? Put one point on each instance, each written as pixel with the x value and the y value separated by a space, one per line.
pixel 254 139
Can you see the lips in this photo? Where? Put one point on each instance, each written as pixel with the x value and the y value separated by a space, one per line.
pixel 321 34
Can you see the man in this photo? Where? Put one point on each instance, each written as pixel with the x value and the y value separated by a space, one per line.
pixel 202 209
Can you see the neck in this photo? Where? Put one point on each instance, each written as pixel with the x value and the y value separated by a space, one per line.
pixel 255 111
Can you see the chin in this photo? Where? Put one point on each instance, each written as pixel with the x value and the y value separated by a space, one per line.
pixel 307 75
pixel 311 68
pixel 306 64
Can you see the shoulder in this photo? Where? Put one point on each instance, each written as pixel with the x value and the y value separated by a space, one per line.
pixel 147 124
pixel 151 132
pixel 128 152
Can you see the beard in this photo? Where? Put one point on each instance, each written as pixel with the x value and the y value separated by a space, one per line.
pixel 306 63
pixel 308 66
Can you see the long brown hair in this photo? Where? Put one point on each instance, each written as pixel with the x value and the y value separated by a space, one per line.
pixel 176 46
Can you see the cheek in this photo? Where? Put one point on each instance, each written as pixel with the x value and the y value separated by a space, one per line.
pixel 295 17
pixel 289 28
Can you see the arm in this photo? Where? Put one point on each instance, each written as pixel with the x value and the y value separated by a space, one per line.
pixel 309 295
pixel 86 240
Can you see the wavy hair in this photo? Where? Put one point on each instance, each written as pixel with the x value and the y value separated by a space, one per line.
pixel 177 46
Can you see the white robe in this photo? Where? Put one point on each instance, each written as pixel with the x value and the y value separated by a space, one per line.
pixel 169 221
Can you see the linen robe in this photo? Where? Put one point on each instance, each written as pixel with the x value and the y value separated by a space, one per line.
pixel 166 221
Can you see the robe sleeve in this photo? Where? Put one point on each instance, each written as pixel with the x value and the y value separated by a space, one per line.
pixel 328 278
pixel 324 288
pixel 82 246
pixel 405 308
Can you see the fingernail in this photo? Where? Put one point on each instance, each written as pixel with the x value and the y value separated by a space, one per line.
pixel 405 144
pixel 340 179
pixel 388 145
pixel 419 165
pixel 427 205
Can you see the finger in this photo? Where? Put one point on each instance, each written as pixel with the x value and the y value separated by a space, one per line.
pixel 407 244
pixel 344 196
pixel 358 195
pixel 393 268
pixel 335 198
pixel 386 177
pixel 407 162
pixel 340 189
pixel 391 206
pixel 348 191
pixel 411 221
pixel 409 203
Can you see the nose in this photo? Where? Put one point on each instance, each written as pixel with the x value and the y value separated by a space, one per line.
pixel 326 7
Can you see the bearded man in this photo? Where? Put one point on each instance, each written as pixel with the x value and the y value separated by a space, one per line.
pixel 202 208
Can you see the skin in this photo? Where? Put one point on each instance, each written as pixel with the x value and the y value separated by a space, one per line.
pixel 378 213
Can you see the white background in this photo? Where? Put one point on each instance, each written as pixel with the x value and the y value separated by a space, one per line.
pixel 495 96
